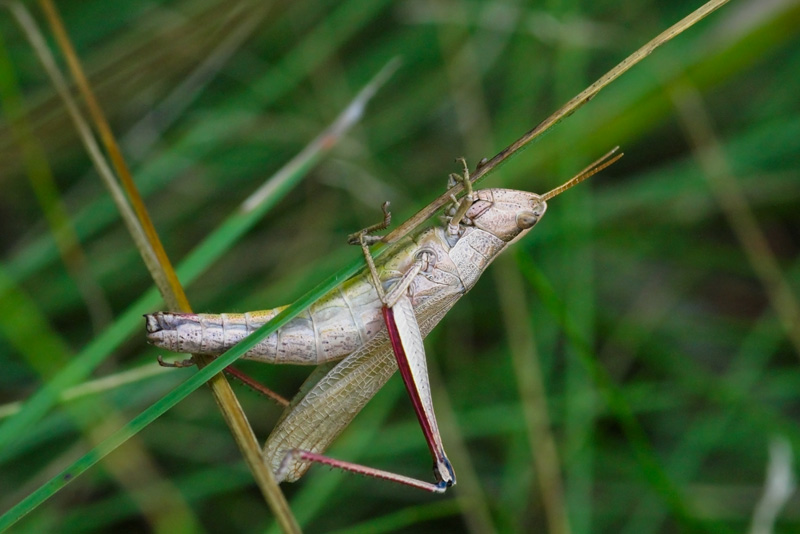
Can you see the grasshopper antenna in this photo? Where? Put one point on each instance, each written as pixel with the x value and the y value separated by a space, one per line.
pixel 588 172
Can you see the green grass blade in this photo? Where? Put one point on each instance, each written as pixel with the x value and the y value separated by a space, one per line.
pixel 171 399
pixel 188 270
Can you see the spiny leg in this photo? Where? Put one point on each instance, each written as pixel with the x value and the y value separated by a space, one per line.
pixel 308 456
pixel 409 352
pixel 232 372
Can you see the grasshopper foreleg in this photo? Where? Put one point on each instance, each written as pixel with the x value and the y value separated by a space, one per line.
pixel 461 206
pixel 364 239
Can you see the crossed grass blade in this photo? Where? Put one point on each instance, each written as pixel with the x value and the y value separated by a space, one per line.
pixel 234 228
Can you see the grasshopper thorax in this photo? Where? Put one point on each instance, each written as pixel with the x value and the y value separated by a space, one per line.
pixel 496 218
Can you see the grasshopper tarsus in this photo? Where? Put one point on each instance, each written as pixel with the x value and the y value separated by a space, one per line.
pixel 364 237
pixel 459 209
pixel 189 362
pixel 463 162
pixel 359 237
pixel 454 178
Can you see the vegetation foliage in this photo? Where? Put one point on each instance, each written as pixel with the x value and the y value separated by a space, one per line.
pixel 647 329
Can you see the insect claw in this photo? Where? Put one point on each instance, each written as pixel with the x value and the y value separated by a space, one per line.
pixel 464 164
pixel 189 362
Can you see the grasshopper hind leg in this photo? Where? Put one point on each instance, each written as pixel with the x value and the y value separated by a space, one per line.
pixel 296 455
pixel 407 345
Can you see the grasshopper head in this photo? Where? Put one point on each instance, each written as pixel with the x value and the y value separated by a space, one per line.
pixel 506 213
pixel 509 214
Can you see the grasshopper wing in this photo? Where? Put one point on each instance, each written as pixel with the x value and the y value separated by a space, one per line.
pixel 409 352
pixel 312 422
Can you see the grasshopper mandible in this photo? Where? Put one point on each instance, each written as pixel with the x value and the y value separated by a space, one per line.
pixel 374 323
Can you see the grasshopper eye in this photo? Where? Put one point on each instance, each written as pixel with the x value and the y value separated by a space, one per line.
pixel 526 219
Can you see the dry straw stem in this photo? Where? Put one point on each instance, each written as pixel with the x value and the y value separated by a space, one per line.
pixel 533 394
pixel 167 281
pixel 246 214
pixel 170 288
pixel 39 45
pixel 564 111
pixel 139 467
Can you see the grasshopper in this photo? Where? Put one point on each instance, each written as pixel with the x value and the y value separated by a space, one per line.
pixel 374 323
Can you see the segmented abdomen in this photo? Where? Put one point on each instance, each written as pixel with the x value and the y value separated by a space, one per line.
pixel 331 328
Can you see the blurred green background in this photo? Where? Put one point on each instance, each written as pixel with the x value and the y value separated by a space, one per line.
pixel 656 303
